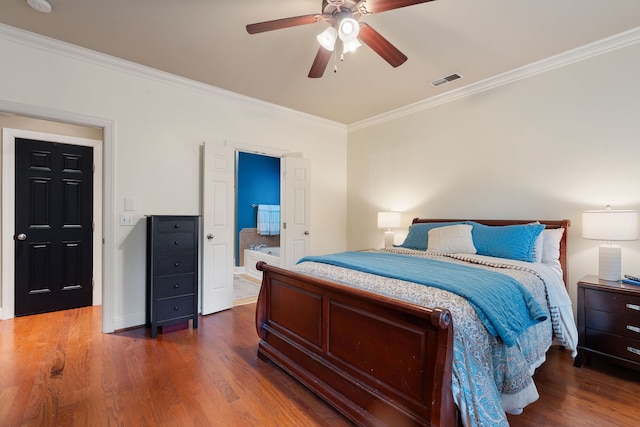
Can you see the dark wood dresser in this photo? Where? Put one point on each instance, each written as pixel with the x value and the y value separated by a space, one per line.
pixel 172 271
pixel 608 322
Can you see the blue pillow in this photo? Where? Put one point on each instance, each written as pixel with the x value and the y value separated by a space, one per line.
pixel 507 241
pixel 418 236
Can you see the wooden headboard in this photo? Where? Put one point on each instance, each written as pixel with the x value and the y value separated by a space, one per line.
pixel 564 223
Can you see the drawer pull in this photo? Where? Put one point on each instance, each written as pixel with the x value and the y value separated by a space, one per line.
pixel 633 307
pixel 176 243
pixel 177 264
pixel 177 285
pixel 175 308
pixel 633 328
pixel 633 350
pixel 177 226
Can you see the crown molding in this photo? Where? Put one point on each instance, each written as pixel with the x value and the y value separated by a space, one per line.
pixel 599 47
pixel 48 44
pixel 79 53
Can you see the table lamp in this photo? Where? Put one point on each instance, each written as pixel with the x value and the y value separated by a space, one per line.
pixel 610 225
pixel 389 220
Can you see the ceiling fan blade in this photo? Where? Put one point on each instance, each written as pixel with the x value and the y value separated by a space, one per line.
pixel 320 63
pixel 377 6
pixel 277 24
pixel 381 46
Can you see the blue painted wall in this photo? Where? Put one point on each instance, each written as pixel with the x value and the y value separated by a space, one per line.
pixel 258 182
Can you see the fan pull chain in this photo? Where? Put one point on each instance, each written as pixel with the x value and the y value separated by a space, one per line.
pixel 335 66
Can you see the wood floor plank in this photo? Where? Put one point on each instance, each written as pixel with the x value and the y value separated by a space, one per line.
pixel 598 394
pixel 59 369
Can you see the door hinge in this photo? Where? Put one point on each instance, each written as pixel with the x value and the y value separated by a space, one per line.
pixel 284 225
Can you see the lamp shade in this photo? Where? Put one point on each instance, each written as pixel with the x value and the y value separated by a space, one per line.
pixel 348 29
pixel 610 225
pixel 389 219
pixel 351 46
pixel 327 38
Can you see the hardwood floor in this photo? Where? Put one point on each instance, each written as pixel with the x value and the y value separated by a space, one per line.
pixel 58 369
pixel 598 394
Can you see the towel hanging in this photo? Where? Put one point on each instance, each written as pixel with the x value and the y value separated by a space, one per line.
pixel 268 221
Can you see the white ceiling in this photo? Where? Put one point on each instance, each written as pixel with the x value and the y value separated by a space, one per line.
pixel 206 41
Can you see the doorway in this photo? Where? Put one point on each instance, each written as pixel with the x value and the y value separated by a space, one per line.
pixel 46 129
pixel 53 226
pixel 219 217
pixel 257 188
pixel 257 222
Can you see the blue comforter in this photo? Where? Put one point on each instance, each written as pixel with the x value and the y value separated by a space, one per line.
pixel 504 306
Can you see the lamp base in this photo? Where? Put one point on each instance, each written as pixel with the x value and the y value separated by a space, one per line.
pixel 389 239
pixel 610 263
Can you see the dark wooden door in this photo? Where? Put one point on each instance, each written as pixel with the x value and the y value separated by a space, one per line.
pixel 53 226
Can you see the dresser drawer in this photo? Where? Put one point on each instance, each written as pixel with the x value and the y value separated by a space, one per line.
pixel 172 286
pixel 624 326
pixel 175 264
pixel 175 308
pixel 613 302
pixel 613 345
pixel 174 243
pixel 175 226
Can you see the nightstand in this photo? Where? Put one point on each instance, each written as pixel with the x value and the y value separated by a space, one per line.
pixel 608 322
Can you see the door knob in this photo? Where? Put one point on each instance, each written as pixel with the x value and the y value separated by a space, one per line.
pixel 209 236
pixel 306 233
pixel 22 236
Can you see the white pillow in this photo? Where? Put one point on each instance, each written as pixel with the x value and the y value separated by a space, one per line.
pixel 538 247
pixel 451 239
pixel 551 247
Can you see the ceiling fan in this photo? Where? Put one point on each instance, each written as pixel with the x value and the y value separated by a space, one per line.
pixel 345 30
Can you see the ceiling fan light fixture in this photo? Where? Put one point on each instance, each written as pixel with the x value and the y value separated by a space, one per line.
pixel 348 29
pixel 40 5
pixel 350 46
pixel 340 14
pixel 327 38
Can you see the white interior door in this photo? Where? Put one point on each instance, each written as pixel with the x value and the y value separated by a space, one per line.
pixel 295 196
pixel 217 227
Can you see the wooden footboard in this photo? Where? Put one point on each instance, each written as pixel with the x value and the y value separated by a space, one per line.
pixel 377 360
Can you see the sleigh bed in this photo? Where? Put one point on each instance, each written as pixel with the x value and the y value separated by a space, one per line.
pixel 385 358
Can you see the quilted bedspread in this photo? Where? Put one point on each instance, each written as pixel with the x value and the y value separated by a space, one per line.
pixel 505 306
pixel 489 377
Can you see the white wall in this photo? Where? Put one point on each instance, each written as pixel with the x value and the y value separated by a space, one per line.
pixel 159 126
pixel 548 147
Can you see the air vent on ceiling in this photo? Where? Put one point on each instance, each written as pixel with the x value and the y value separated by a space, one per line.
pixel 445 80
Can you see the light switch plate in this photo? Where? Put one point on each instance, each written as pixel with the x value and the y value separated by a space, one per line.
pixel 126 219
pixel 128 204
